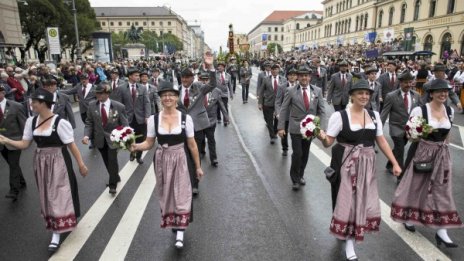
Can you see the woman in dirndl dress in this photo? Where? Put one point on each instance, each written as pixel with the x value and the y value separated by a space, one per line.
pixel 51 133
pixel 175 133
pixel 357 207
pixel 427 198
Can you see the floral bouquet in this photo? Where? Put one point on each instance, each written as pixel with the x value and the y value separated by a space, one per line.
pixel 310 126
pixel 417 128
pixel 123 137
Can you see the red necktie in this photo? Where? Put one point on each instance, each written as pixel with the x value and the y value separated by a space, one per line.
pixel 392 80
pixel 343 81
pixel 134 92
pixel 114 85
pixel 405 100
pixel 305 98
pixel 1 114
pixel 186 98
pixel 104 117
pixel 222 79
pixel 275 85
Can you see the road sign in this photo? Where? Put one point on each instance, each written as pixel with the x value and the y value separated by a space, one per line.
pixel 53 39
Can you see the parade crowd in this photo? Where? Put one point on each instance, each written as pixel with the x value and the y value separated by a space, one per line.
pixel 176 106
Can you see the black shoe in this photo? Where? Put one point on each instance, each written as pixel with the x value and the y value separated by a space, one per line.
pixel 296 186
pixel 440 240
pixel 90 146
pixel 12 195
pixel 215 163
pixel 219 121
pixel 53 247
pixel 302 182
pixel 284 153
pixel 195 191
pixel 225 124
pixel 409 228
pixel 352 258
pixel 112 191
pixel 132 157
pixel 272 141
pixel 22 185
pixel 140 161
pixel 174 230
pixel 244 102
pixel 202 155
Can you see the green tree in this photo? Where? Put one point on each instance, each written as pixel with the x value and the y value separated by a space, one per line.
pixel 134 34
pixel 118 40
pixel 172 42
pixel 272 46
pixel 150 39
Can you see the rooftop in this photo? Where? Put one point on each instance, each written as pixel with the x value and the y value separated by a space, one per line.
pixel 280 16
pixel 133 11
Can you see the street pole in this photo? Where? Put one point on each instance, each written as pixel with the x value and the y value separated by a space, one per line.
pixel 78 47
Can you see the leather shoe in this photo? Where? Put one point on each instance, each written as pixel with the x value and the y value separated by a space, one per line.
pixel 195 191
pixel 409 228
pixel 140 161
pixel 302 182
pixel 215 163
pixel 13 195
pixel 132 157
pixel 53 247
pixel 296 186
pixel 284 153
pixel 112 191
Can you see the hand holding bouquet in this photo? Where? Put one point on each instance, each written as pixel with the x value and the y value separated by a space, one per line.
pixel 123 137
pixel 310 127
pixel 417 128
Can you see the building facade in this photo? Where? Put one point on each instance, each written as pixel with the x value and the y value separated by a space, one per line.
pixel 10 30
pixel 161 20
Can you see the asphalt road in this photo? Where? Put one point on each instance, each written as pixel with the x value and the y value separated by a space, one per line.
pixel 246 209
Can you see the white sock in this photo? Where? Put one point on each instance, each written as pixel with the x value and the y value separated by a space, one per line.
pixel 443 234
pixel 408 225
pixel 56 238
pixel 180 236
pixel 349 248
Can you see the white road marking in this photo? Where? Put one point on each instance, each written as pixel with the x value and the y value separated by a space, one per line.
pixel 120 241
pixel 461 133
pixel 77 238
pixel 423 247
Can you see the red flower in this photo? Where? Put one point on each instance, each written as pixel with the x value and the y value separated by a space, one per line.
pixel 419 129
pixel 308 133
pixel 128 131
pixel 407 128
pixel 308 120
pixel 123 135
pixel 304 124
pixel 119 128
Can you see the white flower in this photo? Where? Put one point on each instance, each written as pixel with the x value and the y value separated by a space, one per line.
pixel 311 126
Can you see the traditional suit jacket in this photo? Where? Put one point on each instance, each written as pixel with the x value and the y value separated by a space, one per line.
pixel 117 93
pixel 14 119
pixel 261 77
pixel 245 75
pixel 319 79
pixel 337 94
pixel 280 98
pixel 394 109
pixel 140 108
pixel 197 109
pixel 385 88
pixel 63 108
pixel 94 127
pixel 452 97
pixel 214 100
pixel 267 94
pixel 374 103
pixel 84 100
pixel 155 101
pixel 293 109
pixel 226 87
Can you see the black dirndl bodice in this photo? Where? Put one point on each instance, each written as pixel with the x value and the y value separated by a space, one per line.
pixel 48 141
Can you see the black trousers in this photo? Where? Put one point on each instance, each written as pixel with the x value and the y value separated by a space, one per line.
pixel 110 158
pixel 72 180
pixel 398 151
pixel 339 107
pixel 284 139
pixel 139 129
pixel 225 100
pixel 245 91
pixel 271 121
pixel 209 135
pixel 234 82
pixel 16 175
pixel 83 117
pixel 300 157
pixel 191 166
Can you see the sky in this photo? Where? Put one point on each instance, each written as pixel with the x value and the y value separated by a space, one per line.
pixel 216 15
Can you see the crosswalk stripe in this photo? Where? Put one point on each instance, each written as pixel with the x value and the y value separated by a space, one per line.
pixel 77 238
pixel 423 247
pixel 120 241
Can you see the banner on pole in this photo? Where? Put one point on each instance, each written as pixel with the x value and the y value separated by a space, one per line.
pixel 53 40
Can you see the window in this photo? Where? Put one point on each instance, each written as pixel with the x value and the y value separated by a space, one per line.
pixel 137 23
pixel 428 43
pixel 365 21
pixel 169 23
pixel 361 21
pixel 276 29
pixel 128 23
pixel 390 16
pixel 416 10
pixel 433 4
pixel 161 32
pixel 169 32
pixel 103 23
pixel 269 29
pixel 451 4
pixel 403 13
pixel 111 23
pixel 297 26
pixel 161 23
pixel 275 37
pixel 282 37
pixel 282 29
pixel 308 25
pixel 380 18
pixel 120 23
pixel 152 23
pixel 357 23
pixel 144 23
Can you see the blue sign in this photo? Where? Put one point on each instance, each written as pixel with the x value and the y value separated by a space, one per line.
pixel 372 37
pixel 372 53
pixel 264 37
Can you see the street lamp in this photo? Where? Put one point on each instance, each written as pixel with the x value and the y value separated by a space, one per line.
pixel 78 47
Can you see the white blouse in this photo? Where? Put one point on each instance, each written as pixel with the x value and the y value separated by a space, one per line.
pixel 444 124
pixel 336 124
pixel 64 130
pixel 177 130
